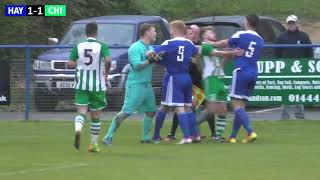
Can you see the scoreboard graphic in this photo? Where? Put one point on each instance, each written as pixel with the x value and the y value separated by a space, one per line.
pixel 35 10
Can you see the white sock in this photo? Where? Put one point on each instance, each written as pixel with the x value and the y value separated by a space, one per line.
pixel 95 129
pixel 78 122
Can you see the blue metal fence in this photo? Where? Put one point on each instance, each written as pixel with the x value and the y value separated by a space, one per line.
pixel 28 63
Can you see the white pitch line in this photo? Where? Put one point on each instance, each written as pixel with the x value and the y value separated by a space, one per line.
pixel 42 169
pixel 265 110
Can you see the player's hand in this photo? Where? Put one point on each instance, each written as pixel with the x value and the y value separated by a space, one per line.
pixel 150 54
pixel 153 57
pixel 152 60
pixel 238 52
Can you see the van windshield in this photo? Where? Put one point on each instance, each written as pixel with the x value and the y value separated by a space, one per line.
pixel 111 34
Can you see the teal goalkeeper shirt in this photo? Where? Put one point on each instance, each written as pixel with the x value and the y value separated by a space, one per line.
pixel 137 56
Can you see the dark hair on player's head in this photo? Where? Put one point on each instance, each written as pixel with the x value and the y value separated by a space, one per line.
pixel 91 29
pixel 204 30
pixel 145 27
pixel 253 20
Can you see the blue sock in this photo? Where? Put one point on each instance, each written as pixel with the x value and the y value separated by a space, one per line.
pixel 236 126
pixel 194 130
pixel 244 118
pixel 158 125
pixel 184 124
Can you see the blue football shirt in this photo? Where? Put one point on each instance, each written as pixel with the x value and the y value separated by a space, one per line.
pixel 252 43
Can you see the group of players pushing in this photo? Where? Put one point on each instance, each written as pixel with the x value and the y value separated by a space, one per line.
pixel 176 56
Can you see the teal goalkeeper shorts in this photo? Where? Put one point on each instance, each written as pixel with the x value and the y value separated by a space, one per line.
pixel 139 97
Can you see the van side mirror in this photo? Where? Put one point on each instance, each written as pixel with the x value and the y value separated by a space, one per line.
pixel 53 41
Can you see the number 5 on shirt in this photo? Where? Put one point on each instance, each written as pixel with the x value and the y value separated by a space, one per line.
pixel 180 54
pixel 251 49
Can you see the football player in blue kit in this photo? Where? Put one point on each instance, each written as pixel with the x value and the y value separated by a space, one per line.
pixel 177 83
pixel 244 75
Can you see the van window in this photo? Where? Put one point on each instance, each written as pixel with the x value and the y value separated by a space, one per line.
pixel 111 34
pixel 160 34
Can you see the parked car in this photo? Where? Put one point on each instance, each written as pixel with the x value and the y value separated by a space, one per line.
pixel 53 81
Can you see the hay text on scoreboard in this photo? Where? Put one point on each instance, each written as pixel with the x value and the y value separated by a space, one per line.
pixel 36 10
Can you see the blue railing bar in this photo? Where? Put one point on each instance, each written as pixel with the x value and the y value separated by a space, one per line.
pixel 33 46
pixel 27 83
pixel 12 46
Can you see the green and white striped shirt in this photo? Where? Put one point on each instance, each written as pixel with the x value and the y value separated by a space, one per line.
pixel 211 64
pixel 90 65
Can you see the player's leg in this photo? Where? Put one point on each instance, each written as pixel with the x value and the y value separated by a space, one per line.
pixel 220 121
pixel 184 119
pixel 175 123
pixel 132 101
pixel 115 124
pixel 149 108
pixel 221 110
pixel 194 129
pixel 252 136
pixel 211 119
pixel 204 116
pixel 240 94
pixel 182 99
pixel 82 101
pixel 147 124
pixel 234 94
pixel 98 103
pixel 211 95
pixel 160 117
pixel 243 118
pixel 167 89
pixel 94 131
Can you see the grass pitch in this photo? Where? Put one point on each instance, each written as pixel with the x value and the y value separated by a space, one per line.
pixel 285 150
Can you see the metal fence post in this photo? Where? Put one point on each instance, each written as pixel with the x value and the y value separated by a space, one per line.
pixel 27 83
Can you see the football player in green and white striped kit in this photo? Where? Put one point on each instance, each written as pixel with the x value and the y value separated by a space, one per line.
pixel 92 61
pixel 213 74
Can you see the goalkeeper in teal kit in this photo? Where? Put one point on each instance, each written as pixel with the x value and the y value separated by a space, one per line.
pixel 139 95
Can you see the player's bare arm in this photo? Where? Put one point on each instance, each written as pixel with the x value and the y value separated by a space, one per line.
pixel 107 65
pixel 228 54
pixel 220 44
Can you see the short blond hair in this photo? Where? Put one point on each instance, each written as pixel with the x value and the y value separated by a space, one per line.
pixel 178 26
